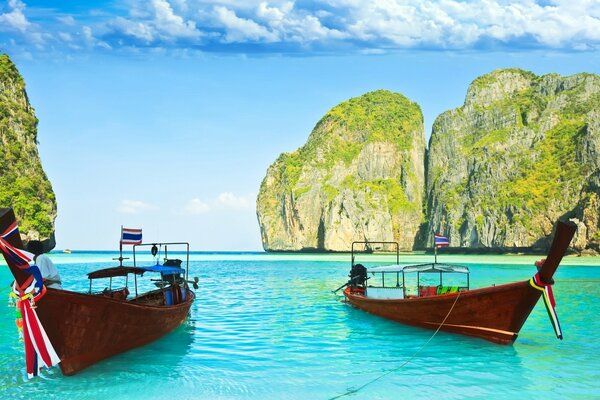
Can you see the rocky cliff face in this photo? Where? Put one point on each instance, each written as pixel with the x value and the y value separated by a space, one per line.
pixel 359 177
pixel 23 183
pixel 521 152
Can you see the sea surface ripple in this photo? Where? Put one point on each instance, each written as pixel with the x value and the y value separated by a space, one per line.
pixel 272 329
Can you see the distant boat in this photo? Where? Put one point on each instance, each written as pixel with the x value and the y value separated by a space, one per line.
pixel 67 251
pixel 84 328
pixel 494 313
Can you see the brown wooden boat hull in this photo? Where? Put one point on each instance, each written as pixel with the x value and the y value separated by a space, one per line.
pixel 494 313
pixel 85 329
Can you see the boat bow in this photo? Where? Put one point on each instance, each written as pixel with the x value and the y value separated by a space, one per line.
pixel 560 244
pixel 494 313
pixel 543 281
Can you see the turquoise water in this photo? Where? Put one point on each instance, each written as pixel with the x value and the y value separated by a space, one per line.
pixel 268 327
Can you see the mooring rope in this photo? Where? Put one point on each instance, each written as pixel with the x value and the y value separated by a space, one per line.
pixel 353 391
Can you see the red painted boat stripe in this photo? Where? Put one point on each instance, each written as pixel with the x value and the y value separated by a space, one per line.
pixel 481 328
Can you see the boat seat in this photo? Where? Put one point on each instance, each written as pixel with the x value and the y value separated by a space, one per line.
pixel 118 294
pixel 175 294
pixel 425 291
pixel 447 289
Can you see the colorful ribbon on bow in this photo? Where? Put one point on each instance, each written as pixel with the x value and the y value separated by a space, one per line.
pixel 18 257
pixel 39 351
pixel 546 289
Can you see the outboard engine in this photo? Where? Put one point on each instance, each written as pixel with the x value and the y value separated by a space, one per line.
pixel 173 278
pixel 173 262
pixel 358 276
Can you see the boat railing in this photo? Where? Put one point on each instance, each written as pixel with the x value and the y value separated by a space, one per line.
pixel 427 281
pixel 161 249
pixel 114 275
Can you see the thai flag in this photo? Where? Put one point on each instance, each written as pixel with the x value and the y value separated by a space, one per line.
pixel 131 236
pixel 440 241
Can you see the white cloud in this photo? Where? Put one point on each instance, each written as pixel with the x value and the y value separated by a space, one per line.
pixel 138 30
pixel 409 24
pixel 223 202
pixel 459 24
pixel 65 37
pixel 134 207
pixel 365 26
pixel 158 22
pixel 15 19
pixel 174 26
pixel 196 207
pixel 295 26
pixel 67 20
pixel 87 34
pixel 274 14
pixel 230 200
pixel 240 29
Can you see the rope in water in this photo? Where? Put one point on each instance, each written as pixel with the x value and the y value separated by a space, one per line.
pixel 353 391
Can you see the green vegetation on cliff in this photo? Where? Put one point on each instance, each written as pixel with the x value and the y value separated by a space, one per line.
pixel 522 152
pixel 359 173
pixel 374 117
pixel 515 158
pixel 23 183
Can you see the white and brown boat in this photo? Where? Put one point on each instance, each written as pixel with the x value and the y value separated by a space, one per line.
pixel 84 328
pixel 406 294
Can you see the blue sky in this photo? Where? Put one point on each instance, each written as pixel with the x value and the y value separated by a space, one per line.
pixel 165 115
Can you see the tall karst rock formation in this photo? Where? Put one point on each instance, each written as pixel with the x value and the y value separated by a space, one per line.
pixel 23 183
pixel 521 152
pixel 359 177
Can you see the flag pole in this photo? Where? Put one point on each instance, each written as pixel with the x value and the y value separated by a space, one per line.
pixel 121 248
pixel 434 247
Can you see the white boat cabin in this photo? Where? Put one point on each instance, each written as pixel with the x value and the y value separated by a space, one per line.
pixel 411 281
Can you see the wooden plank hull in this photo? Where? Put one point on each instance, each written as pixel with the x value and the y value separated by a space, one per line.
pixel 495 313
pixel 85 329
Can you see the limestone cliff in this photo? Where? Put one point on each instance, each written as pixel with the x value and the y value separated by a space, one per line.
pixel 359 177
pixel 521 152
pixel 23 183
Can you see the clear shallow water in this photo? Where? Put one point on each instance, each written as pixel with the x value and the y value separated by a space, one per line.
pixel 270 328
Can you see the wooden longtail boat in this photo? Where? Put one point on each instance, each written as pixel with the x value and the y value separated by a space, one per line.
pixel 85 328
pixel 494 313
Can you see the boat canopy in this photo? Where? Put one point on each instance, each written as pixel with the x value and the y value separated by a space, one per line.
pixel 124 271
pixel 164 269
pixel 420 268
pixel 115 271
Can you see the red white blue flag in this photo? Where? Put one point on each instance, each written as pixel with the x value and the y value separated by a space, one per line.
pixel 440 241
pixel 131 236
